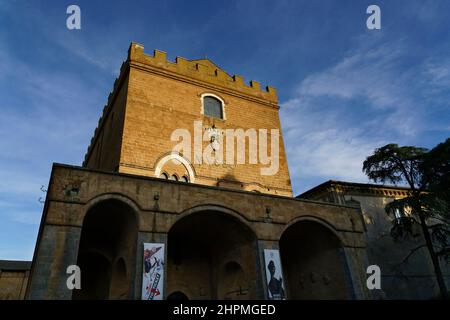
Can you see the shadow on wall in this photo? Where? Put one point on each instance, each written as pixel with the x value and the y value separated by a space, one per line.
pixel 217 261
pixel 107 251
pixel 229 181
pixel 313 262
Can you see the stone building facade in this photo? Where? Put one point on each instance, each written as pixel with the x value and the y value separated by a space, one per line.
pixel 13 279
pixel 153 97
pixel 215 219
pixel 406 268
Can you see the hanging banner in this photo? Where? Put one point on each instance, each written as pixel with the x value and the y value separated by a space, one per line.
pixel 274 275
pixel 153 271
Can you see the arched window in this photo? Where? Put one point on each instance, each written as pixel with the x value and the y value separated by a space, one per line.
pixel 164 176
pixel 186 168
pixel 212 107
pixel 184 179
pixel 174 177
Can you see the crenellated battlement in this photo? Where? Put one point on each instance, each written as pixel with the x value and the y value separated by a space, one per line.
pixel 202 70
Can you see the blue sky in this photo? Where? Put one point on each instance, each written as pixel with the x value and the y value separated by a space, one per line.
pixel 343 89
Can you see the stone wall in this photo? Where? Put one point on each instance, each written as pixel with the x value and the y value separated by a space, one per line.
pixel 153 97
pixel 13 279
pixel 159 205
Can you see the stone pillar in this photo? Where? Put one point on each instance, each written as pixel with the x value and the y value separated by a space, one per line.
pixel 357 263
pixel 57 249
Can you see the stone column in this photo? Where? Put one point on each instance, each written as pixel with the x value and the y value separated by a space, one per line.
pixel 357 262
pixel 57 249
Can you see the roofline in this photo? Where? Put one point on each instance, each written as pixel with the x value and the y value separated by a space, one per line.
pixel 15 265
pixel 351 184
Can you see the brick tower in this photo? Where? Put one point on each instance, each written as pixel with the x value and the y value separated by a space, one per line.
pixel 154 97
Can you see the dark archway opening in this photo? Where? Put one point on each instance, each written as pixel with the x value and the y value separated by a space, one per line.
pixel 313 262
pixel 107 251
pixel 177 296
pixel 212 255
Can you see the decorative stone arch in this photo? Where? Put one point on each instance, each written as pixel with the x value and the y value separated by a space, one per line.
pixel 165 174
pixel 112 196
pixel 216 208
pixel 175 156
pixel 203 257
pixel 320 221
pixel 209 94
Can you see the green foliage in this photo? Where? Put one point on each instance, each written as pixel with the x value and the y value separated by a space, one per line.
pixel 427 173
pixel 394 164
pixel 435 170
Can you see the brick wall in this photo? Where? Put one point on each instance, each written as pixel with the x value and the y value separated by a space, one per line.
pixel 13 279
pixel 159 97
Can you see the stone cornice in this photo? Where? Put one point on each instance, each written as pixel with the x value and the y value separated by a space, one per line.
pixel 352 188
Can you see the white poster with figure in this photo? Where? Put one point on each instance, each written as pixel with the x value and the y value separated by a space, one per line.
pixel 153 271
pixel 274 275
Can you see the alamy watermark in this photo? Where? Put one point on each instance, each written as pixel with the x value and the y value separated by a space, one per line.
pixel 74 279
pixel 229 146
pixel 374 20
pixel 74 20
pixel 374 280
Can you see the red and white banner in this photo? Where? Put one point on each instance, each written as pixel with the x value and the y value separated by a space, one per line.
pixel 153 271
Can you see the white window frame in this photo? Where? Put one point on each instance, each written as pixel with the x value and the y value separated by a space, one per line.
pixel 218 98
pixel 175 156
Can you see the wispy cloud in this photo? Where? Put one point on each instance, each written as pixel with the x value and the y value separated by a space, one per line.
pixel 49 108
pixel 388 86
pixel 323 145
pixel 437 71
pixel 339 115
